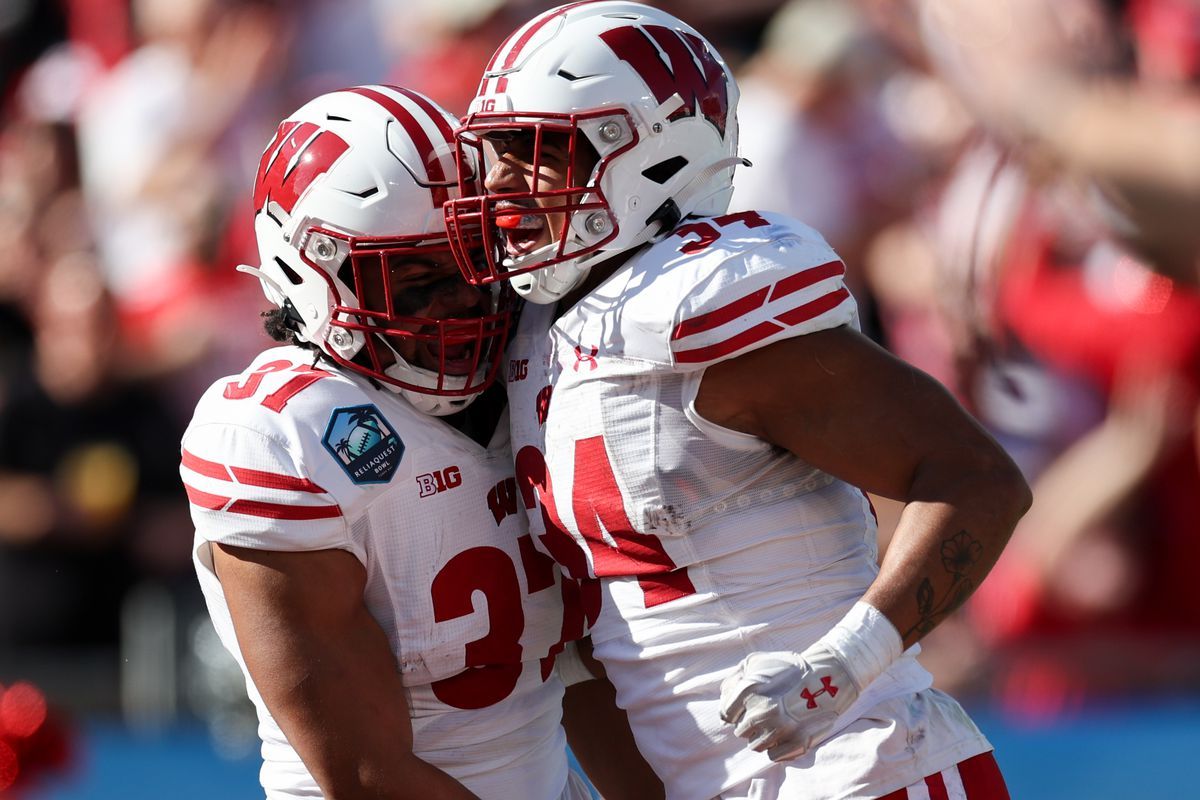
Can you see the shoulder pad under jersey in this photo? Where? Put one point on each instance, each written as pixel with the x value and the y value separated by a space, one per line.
pixel 719 287
pixel 283 455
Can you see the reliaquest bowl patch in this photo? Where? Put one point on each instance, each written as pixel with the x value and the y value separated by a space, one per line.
pixel 364 443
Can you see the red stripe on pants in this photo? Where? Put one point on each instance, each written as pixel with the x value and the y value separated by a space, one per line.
pixel 981 779
pixel 937 787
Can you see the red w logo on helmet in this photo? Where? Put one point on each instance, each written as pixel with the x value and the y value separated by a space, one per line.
pixel 692 72
pixel 299 154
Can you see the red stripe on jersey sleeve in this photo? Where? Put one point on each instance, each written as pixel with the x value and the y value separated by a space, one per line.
pixel 255 508
pixel 747 337
pixel 719 316
pixel 248 477
pixel 204 499
pixel 762 330
pixel 272 480
pixel 209 469
pixel 744 305
pixel 802 280
pixel 813 309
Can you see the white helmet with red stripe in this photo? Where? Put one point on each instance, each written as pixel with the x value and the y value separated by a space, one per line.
pixel 351 183
pixel 649 94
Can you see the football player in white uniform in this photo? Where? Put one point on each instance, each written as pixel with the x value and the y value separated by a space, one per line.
pixel 696 418
pixel 367 563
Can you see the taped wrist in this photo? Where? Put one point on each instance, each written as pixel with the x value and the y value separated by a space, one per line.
pixel 866 642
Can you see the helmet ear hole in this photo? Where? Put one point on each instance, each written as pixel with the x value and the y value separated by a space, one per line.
pixel 288 272
pixel 663 171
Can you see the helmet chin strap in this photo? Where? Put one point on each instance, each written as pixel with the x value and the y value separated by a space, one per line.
pixel 527 258
pixel 432 404
pixel 689 191
pixel 266 279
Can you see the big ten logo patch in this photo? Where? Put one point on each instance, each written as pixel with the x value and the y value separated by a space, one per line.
pixel 440 480
pixel 518 370
pixel 502 499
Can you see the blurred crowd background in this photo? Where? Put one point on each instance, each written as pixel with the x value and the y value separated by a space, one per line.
pixel 1014 186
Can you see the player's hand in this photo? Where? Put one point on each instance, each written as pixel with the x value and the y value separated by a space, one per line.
pixel 784 703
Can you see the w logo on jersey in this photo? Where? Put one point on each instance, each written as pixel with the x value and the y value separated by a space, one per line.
pixel 299 154
pixel 691 69
pixel 542 404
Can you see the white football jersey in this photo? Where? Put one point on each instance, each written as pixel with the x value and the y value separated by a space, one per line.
pixel 290 458
pixel 711 544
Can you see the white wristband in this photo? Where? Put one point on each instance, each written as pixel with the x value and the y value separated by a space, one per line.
pixel 866 641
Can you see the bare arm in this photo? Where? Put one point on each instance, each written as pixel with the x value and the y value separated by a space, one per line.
pixel 1146 163
pixel 844 405
pixel 325 669
pixel 1089 481
pixel 599 735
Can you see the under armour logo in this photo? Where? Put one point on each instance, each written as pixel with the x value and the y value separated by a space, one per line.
pixel 582 358
pixel 827 688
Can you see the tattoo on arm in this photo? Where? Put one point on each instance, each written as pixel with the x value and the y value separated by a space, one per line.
pixel 960 553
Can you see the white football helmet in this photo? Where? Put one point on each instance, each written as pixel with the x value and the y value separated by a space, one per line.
pixel 351 182
pixel 649 94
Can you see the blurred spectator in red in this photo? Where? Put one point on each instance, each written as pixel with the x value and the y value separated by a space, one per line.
pixel 1115 514
pixel 101 27
pixel 928 118
pixel 1136 137
pixel 1086 365
pixel 1105 553
pixel 837 127
pixel 162 137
